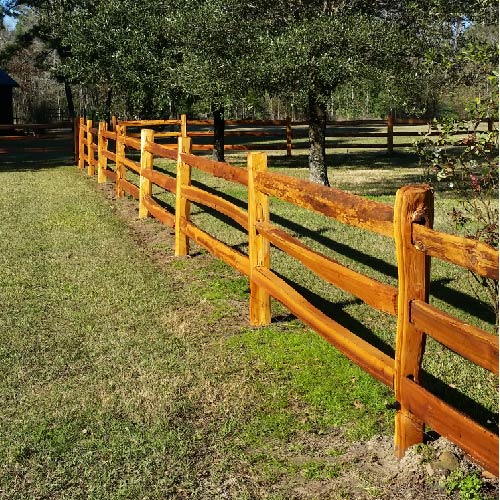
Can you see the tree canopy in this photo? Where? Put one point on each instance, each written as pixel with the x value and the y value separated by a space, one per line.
pixel 163 56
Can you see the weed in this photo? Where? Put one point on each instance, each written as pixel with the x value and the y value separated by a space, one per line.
pixel 469 486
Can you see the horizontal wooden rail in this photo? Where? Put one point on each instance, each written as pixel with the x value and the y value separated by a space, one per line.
pixel 162 150
pixel 110 173
pixel 109 135
pixel 369 358
pixel 470 342
pixel 94 130
pixel 93 147
pixel 132 142
pixel 347 208
pixel 158 212
pixel 130 188
pixel 474 255
pixel 133 165
pixel 167 134
pixel 217 203
pixel 232 257
pixel 217 168
pixel 474 439
pixel 148 123
pixel 160 179
pixel 379 295
pixel 109 155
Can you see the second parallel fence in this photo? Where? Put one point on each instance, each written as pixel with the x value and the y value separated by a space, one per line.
pixel 408 223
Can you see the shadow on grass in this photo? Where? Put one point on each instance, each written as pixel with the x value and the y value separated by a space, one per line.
pixel 34 153
pixel 335 310
pixel 360 159
pixel 460 401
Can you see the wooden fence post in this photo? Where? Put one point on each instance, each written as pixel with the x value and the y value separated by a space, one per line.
pixel 288 136
pixel 413 205
pixel 145 188
pixel 182 205
pixel 90 151
pixel 183 126
pixel 113 123
pixel 120 155
pixel 102 161
pixel 390 132
pixel 258 246
pixel 81 143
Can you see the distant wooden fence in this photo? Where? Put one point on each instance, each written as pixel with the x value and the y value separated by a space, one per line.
pixel 409 223
pixel 286 135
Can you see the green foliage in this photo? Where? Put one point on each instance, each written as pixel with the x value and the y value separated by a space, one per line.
pixel 469 486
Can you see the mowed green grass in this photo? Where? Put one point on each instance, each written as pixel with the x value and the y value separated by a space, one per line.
pixel 125 376
pixel 121 378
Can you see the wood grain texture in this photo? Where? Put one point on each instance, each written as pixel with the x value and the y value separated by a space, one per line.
pixel 110 175
pixel 147 123
pixel 370 359
pixel 158 212
pixel 378 295
pixel 231 257
pixel 109 135
pixel 414 204
pixel 183 125
pixel 160 179
pixel 133 165
pixel 481 444
pixel 470 342
pixel 347 208
pixel 217 168
pixel 102 145
pixel 145 187
pixel 129 188
pixel 259 248
pixel 120 156
pixel 182 205
pixel 90 149
pixel 223 206
pixel 163 151
pixel 109 155
pixel 132 142
pixel 474 255
pixel 167 134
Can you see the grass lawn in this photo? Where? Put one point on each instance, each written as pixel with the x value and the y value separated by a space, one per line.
pixel 127 373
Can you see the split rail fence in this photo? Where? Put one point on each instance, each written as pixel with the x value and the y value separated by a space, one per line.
pixel 287 135
pixel 408 223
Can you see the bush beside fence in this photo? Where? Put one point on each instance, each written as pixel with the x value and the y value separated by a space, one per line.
pixel 409 223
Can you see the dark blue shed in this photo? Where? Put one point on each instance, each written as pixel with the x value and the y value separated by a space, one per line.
pixel 6 107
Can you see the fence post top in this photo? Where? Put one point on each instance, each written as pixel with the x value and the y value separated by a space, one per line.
pixel 414 189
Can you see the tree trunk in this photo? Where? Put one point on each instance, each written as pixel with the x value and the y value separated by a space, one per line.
pixel 109 97
pixel 69 100
pixel 317 130
pixel 218 154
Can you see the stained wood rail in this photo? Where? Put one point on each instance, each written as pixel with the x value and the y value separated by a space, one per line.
pixel 347 208
pixel 378 295
pixel 474 255
pixel 474 439
pixel 470 342
pixel 373 361
pixel 409 223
